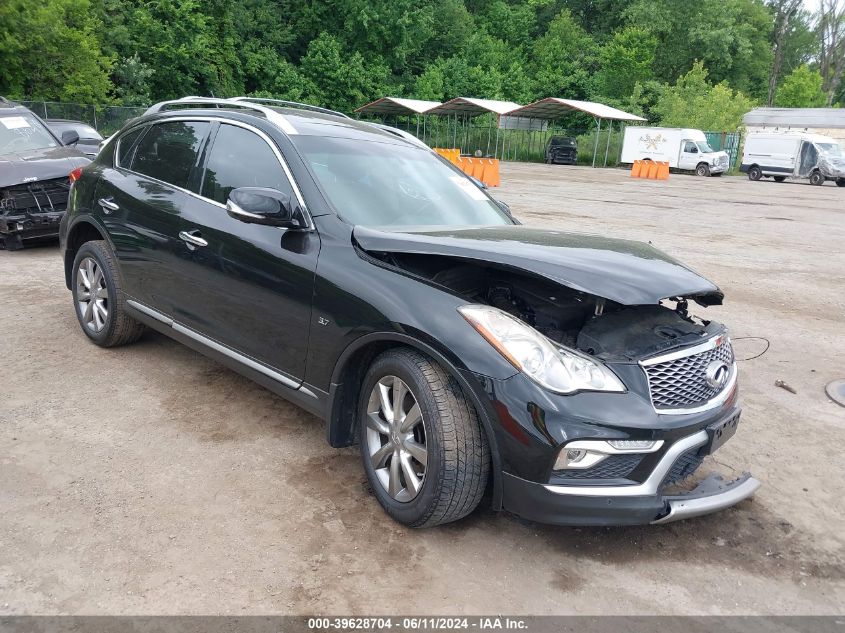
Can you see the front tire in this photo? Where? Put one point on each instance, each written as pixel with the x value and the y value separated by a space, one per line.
pixel 816 178
pixel 779 178
pixel 425 454
pixel 840 182
pixel 98 297
pixel 703 170
pixel 755 173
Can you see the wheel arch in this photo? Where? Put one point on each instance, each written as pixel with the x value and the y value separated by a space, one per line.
pixel 85 229
pixel 348 374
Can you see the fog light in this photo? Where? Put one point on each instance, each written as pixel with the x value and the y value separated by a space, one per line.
pixel 644 446
pixel 577 458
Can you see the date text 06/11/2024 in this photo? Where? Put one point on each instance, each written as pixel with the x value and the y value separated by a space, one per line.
pixel 416 623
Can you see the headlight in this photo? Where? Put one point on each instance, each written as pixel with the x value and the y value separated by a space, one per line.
pixel 557 369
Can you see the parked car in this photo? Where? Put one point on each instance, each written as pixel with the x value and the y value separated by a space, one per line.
pixel 782 155
pixel 562 150
pixel 34 168
pixel 89 138
pixel 682 148
pixel 361 276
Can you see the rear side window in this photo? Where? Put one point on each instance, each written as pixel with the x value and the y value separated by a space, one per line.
pixel 125 145
pixel 240 158
pixel 169 151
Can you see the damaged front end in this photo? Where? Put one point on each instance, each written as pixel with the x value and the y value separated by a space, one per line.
pixel 596 455
pixel 32 211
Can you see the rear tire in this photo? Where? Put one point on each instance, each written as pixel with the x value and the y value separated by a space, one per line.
pixel 840 182
pixel 816 178
pixel 755 173
pixel 779 178
pixel 703 170
pixel 425 455
pixel 98 297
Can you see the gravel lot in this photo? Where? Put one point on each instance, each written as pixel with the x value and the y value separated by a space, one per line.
pixel 149 479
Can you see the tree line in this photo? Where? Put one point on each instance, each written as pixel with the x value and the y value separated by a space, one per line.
pixel 701 64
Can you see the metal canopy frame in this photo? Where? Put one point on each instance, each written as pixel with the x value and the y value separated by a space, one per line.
pixel 552 108
pixel 398 106
pixel 468 108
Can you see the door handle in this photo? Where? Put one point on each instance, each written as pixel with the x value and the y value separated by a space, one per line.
pixel 192 238
pixel 108 204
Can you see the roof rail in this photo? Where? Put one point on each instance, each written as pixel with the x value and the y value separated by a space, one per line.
pixel 5 101
pixel 292 104
pixel 271 115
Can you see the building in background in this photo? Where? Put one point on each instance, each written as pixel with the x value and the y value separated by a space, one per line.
pixel 826 121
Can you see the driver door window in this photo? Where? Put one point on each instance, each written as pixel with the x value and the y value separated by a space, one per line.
pixel 690 148
pixel 240 158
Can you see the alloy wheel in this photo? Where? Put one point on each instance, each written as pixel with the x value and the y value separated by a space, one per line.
pixel 395 438
pixel 92 295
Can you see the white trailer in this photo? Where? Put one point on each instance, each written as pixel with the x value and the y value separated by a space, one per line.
pixel 783 155
pixel 682 148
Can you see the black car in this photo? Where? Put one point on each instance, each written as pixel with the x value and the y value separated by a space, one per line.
pixel 562 150
pixel 35 165
pixel 350 269
pixel 89 138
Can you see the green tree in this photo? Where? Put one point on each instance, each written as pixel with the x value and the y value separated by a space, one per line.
pixel 341 80
pixel 50 50
pixel 802 88
pixel 192 52
pixel 624 61
pixel 132 79
pixel 694 102
pixel 732 39
pixel 563 59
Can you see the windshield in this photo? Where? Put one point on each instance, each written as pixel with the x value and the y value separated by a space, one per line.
pixel 831 149
pixel 23 132
pixel 705 148
pixel 384 184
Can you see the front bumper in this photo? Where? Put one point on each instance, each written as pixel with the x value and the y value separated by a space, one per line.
pixel 15 229
pixel 628 504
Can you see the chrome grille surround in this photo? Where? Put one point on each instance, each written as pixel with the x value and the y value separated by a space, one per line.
pixel 677 381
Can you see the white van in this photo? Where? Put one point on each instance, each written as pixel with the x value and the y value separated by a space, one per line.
pixel 681 147
pixel 793 154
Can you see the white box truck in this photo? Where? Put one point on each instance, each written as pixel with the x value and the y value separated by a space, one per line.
pixel 683 149
pixel 782 155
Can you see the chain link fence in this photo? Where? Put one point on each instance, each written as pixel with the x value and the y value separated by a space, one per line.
pixel 105 119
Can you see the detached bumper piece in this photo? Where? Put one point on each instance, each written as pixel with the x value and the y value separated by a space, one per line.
pixel 711 495
pixel 32 212
pixel 622 502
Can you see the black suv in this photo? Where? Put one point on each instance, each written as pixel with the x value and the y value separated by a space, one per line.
pixel 562 150
pixel 350 269
pixel 35 166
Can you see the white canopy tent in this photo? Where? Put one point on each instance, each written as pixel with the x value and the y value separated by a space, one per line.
pixel 555 108
pixel 398 106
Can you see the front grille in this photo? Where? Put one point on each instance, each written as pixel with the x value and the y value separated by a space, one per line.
pixel 682 382
pixel 723 160
pixel 611 467
pixel 46 196
pixel 684 466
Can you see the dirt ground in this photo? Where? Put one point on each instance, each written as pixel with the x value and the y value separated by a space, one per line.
pixel 148 479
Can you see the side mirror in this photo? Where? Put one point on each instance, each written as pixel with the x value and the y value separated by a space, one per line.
pixel 262 205
pixel 70 137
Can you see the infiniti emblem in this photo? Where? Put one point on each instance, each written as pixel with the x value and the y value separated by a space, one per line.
pixel 716 374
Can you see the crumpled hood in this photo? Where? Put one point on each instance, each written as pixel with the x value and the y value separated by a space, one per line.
pixel 832 166
pixel 624 271
pixel 39 164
